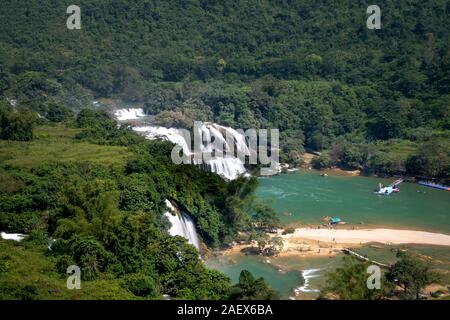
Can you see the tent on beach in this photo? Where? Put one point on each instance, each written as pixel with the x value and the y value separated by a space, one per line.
pixel 335 220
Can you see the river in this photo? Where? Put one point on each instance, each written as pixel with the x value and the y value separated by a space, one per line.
pixel 304 197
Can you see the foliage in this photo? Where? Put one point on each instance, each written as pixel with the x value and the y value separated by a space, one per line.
pixel 411 274
pixel 107 216
pixel 249 288
pixel 58 113
pixel 431 160
pixel 16 125
pixel 295 69
pixel 349 282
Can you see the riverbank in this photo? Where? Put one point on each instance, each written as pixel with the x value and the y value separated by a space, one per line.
pixel 363 236
pixel 323 242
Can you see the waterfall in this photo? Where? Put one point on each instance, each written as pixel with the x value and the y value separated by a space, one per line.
pixel 129 114
pixel 307 275
pixel 182 225
pixel 208 138
pixel 213 137
pixel 12 236
pixel 170 134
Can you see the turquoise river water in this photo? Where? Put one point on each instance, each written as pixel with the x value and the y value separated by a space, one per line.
pixel 304 197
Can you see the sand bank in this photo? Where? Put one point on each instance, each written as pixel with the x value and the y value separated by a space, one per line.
pixel 384 236
pixel 312 242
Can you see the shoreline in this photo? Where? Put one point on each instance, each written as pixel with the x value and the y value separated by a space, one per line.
pixel 368 235
pixel 324 242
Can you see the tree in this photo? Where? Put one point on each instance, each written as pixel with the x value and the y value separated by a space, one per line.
pixel 221 64
pixel 17 125
pixel 141 285
pixel 265 217
pixel 349 282
pixel 88 118
pixel 249 288
pixel 431 160
pixel 58 113
pixel 261 238
pixel 276 245
pixel 317 141
pixel 321 162
pixel 411 274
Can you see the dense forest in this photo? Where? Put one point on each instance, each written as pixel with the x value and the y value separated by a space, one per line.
pixel 98 191
pixel 376 100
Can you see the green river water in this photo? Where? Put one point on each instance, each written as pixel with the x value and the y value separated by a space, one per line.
pixel 304 197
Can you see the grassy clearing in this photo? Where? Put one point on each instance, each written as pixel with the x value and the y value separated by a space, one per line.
pixel 57 143
pixel 398 148
pixel 26 273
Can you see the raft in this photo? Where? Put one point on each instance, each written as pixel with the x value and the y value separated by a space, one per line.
pixel 433 185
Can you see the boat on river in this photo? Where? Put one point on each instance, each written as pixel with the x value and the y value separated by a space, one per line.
pixel 392 188
pixel 433 185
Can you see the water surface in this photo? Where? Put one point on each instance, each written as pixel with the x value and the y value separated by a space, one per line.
pixel 307 197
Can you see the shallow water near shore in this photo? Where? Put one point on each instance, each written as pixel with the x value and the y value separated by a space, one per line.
pixel 291 276
pixel 307 197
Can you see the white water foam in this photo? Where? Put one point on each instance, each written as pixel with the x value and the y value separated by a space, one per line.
pixel 227 166
pixel 307 275
pixel 129 114
pixel 12 236
pixel 182 225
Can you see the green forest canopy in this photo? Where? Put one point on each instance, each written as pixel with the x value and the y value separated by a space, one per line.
pixel 371 99
pixel 309 68
pixel 99 190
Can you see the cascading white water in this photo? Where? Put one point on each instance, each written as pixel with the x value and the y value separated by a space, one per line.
pixel 170 134
pixel 182 225
pixel 12 236
pixel 227 147
pixel 307 275
pixel 129 114
pixel 213 138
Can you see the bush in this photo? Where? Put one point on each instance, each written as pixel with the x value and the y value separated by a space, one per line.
pixel 140 285
pixel 58 113
pixel 321 162
pixel 288 230
pixel 17 126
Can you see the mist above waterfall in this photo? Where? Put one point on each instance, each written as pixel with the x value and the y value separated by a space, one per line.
pixel 129 114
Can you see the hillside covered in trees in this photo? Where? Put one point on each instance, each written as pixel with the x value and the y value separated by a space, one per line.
pixel 376 100
pixel 88 193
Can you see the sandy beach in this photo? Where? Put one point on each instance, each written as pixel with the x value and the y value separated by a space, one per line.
pixel 311 242
pixel 384 236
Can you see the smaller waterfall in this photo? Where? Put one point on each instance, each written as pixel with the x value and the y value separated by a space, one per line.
pixel 129 114
pixel 12 236
pixel 228 167
pixel 307 275
pixel 182 225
